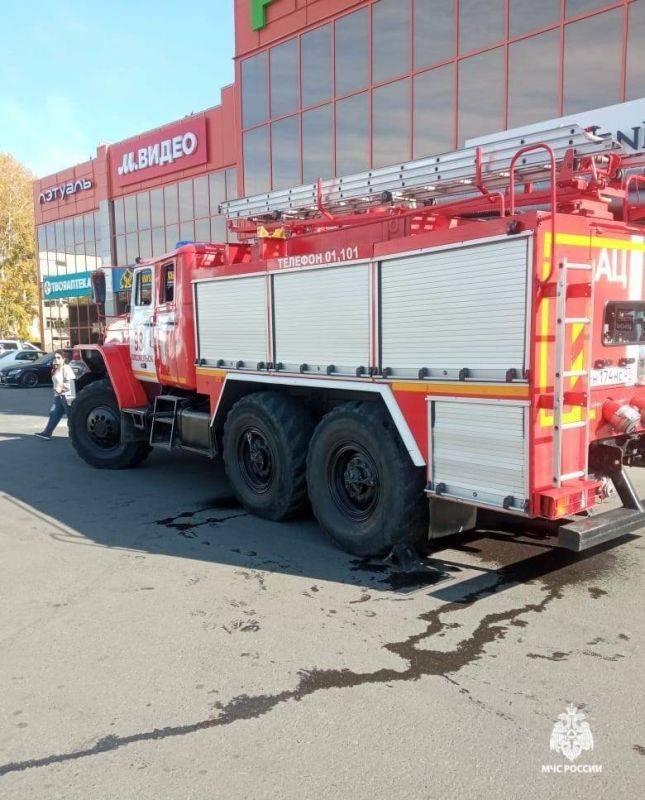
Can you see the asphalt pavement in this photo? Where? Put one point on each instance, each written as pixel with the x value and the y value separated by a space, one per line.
pixel 158 642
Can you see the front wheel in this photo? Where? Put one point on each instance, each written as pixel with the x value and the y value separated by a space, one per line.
pixel 365 491
pixel 95 430
pixel 29 380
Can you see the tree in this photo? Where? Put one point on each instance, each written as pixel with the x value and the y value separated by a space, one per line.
pixel 18 270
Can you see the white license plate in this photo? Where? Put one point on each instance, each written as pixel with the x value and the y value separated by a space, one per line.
pixel 611 375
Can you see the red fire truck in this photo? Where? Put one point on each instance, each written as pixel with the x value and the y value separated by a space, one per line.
pixel 401 348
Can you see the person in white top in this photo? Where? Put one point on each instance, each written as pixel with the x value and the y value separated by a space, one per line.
pixel 63 380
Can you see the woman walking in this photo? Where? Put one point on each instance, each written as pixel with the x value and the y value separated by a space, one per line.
pixel 62 378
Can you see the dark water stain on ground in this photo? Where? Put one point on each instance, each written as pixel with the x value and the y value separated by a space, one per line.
pixel 638 748
pixel 554 569
pixel 185 522
pixel 558 655
pixel 595 592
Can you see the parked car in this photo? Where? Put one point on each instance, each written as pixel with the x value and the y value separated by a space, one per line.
pixel 30 374
pixel 19 357
pixel 15 344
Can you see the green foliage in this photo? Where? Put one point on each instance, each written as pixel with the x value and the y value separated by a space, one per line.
pixel 18 270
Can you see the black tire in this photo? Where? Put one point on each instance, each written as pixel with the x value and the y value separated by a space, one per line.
pixel 29 380
pixel 95 430
pixel 365 491
pixel 266 436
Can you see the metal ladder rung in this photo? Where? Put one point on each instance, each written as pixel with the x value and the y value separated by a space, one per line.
pixel 574 265
pixel 575 373
pixel 567 426
pixel 577 320
pixel 569 476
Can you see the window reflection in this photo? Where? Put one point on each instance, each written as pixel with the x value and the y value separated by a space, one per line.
pixel 254 90
pixel 200 192
pixel 481 24
pixel 351 52
pixel 352 135
pixel 256 161
pixel 575 7
pixel 316 66
pixel 635 87
pixel 434 112
pixel 143 210
pixel 284 83
pixel 130 209
pixel 171 206
pixel 186 210
pixel 391 123
pixel 390 39
pixel 434 31
pixel 217 190
pixel 481 95
pixel 529 15
pixel 316 144
pixel 592 56
pixel 533 79
pixel 285 153
pixel 156 207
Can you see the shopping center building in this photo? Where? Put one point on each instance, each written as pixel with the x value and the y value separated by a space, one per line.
pixel 324 88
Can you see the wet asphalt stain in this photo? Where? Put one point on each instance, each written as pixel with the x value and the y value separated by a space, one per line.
pixel 429 572
pixel 554 569
pixel 638 748
pixel 186 524
pixel 558 655
pixel 595 592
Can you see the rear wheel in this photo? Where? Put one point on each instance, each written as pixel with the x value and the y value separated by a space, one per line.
pixel 266 436
pixel 29 380
pixel 364 490
pixel 95 430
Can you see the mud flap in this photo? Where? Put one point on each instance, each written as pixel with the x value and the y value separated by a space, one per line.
pixel 448 518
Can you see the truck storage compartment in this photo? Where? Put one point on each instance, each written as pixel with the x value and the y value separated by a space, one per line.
pixel 479 452
pixel 457 308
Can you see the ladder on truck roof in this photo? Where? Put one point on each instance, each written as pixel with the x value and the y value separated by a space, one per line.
pixel 426 179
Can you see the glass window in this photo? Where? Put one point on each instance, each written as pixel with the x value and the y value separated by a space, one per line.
pixel 434 31
pixel 51 237
pixel 69 235
pixel 481 95
pixel 203 230
pixel 143 292
pixel 624 323
pixel 200 191
pixel 145 244
pixel 158 242
pixel 168 283
pixel 635 87
pixel 172 237
pixel 284 81
pixel 256 161
pixel 187 231
pixel 218 229
pixel 143 210
pixel 120 250
pixel 78 229
pixel 316 66
pixel 88 227
pixel 255 106
pixel 390 39
pixel 317 144
pixel 231 184
pixel 171 208
pixel 575 7
pixel 132 246
pixel 186 208
pixel 391 123
pixel 352 135
pixel 534 67
pixel 527 15
pixel 130 208
pixel 434 112
pixel 119 222
pixel 60 236
pixel 217 190
pixel 285 153
pixel 481 24
pixel 351 52
pixel 592 62
pixel 156 207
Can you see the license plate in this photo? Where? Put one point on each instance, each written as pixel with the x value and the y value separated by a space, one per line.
pixel 611 375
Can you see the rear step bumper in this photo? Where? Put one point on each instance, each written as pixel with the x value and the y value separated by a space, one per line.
pixel 592 531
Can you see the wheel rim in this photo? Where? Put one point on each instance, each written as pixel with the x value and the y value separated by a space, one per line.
pixel 103 427
pixel 256 459
pixel 354 481
pixel 30 379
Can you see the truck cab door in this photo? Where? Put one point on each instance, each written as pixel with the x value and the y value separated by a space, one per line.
pixel 142 330
pixel 165 324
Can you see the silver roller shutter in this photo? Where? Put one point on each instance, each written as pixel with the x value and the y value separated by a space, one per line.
pixel 456 308
pixel 232 320
pixel 479 451
pixel 322 318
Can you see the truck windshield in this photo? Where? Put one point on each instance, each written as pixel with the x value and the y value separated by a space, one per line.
pixel 624 323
